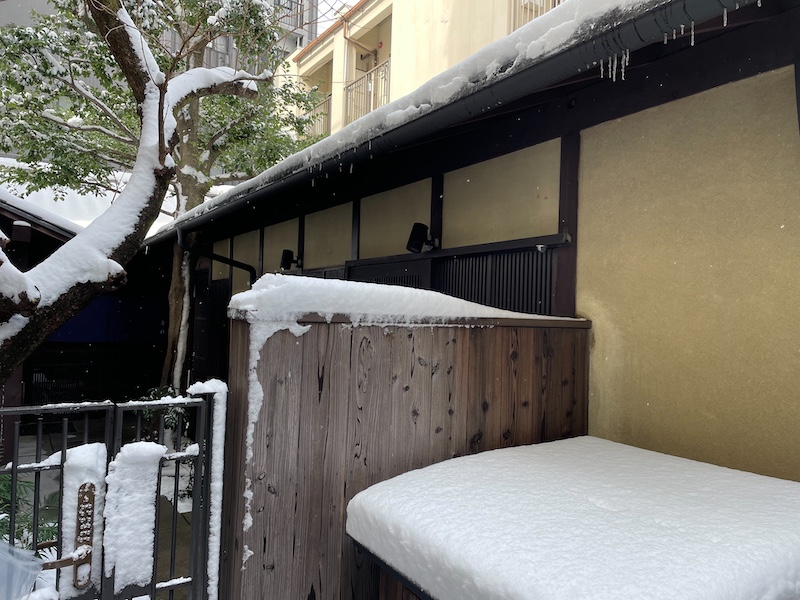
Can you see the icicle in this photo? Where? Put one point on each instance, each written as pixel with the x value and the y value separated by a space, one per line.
pixel 370 144
pixel 351 168
pixel 724 17
pixel 625 59
pixel 692 33
pixel 683 28
pixel 312 182
pixel 758 3
pixel 665 38
pixel 614 70
pixel 602 75
pixel 674 34
pixel 737 6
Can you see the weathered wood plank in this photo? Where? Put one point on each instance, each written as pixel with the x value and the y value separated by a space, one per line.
pixel 476 402
pixel 368 430
pixel 333 502
pixel 548 383
pixel 403 414
pixel 446 436
pixel 497 394
pixel 275 465
pixel 232 501
pixel 313 416
pixel 523 398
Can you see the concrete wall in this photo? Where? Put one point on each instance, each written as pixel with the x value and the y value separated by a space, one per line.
pixel 689 267
pixel 19 11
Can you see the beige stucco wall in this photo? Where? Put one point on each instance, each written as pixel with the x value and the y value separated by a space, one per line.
pixel 510 197
pixel 424 38
pixel 328 237
pixel 429 36
pixel 689 267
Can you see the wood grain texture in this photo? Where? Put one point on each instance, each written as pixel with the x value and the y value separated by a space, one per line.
pixel 346 407
pixel 232 501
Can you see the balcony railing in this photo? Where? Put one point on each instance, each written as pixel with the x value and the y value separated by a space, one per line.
pixel 368 92
pixel 525 11
pixel 291 14
pixel 321 115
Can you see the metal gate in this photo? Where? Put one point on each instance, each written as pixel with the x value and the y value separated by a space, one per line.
pixel 34 489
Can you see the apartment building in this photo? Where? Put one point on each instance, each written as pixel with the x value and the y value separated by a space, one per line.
pixel 380 50
pixel 298 18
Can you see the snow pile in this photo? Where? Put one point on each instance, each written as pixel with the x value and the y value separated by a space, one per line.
pixel 83 464
pixel 557 30
pixel 585 518
pixel 131 514
pixel 220 391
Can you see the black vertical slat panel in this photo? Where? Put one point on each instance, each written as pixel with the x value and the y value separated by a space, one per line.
pixel 520 281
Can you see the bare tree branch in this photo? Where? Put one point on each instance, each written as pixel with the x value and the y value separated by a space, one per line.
pixel 97 128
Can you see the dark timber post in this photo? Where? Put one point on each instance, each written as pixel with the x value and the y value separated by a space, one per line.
pixel 566 258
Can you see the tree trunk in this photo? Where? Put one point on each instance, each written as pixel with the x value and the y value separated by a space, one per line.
pixel 178 357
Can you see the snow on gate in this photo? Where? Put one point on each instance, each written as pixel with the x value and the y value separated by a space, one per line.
pixel 117 498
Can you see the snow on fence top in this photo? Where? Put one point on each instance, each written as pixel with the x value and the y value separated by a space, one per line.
pixel 584 518
pixel 287 299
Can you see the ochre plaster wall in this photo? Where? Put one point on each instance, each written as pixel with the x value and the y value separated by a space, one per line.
pixel 387 218
pixel 509 197
pixel 246 249
pixel 689 268
pixel 328 237
pixel 277 238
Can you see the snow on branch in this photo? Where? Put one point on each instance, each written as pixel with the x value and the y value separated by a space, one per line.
pixel 18 294
pixel 47 114
pixel 202 81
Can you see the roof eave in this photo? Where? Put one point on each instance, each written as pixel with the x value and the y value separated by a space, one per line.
pixel 631 33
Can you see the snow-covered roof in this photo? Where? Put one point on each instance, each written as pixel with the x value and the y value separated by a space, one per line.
pixel 575 36
pixel 584 518
pixel 36 215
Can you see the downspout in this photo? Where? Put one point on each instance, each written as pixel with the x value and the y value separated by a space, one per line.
pixel 347 38
pixel 217 257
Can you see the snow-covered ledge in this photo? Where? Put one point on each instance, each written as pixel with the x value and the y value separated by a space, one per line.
pixel 287 301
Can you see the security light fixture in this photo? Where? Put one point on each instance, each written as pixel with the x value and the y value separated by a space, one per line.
pixel 288 259
pixel 420 239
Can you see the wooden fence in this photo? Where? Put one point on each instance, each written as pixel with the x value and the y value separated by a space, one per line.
pixel 346 407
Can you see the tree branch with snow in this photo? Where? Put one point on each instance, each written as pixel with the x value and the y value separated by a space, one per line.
pixel 82 87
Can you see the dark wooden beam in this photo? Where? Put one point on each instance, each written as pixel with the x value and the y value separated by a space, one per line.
pixel 437 207
pixel 566 257
pixel 797 86
pixel 355 239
